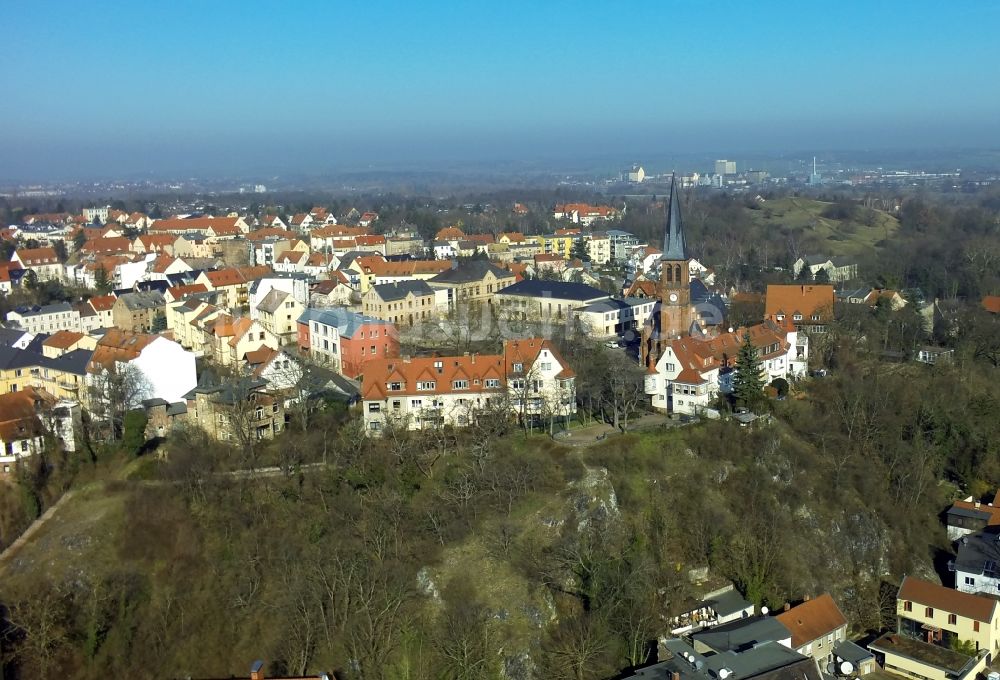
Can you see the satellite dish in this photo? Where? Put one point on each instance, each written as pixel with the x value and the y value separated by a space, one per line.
pixel 831 669
pixel 846 668
pixel 723 673
pixel 764 611
pixel 699 664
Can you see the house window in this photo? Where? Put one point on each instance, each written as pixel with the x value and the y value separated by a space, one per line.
pixel 969 581
pixel 952 619
pixel 415 403
pixel 907 606
pixel 426 386
pixel 797 317
pixel 395 386
pixel 492 383
pixel 460 384
pixel 374 425
pixel 396 404
pixel 545 366
pixel 929 612
pixel 975 626
pixel 518 368
pixel 374 407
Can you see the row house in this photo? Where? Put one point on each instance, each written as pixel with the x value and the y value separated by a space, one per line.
pixel 528 380
pixel 46 318
pixel 63 377
pixel 346 341
pixel 234 282
pixel 26 418
pixel 228 339
pixel 584 214
pixel 203 226
pixel 809 307
pixel 471 281
pixel 407 270
pixel 333 237
pixel 405 303
pixel 43 262
pixel 140 312
pixel 278 313
pixel 188 319
pixel 333 292
pixel 694 370
pixel 154 243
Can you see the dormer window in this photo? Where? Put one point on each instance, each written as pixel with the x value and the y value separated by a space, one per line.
pixel 395 386
pixel 518 368
pixel 797 317
pixel 460 384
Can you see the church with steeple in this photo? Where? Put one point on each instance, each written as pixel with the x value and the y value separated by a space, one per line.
pixel 673 315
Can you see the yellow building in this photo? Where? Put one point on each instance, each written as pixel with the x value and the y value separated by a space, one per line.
pixel 554 244
pixel 937 615
pixel 63 377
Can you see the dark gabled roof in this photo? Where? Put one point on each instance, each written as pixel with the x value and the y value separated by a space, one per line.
pixel 71 362
pixel 399 290
pixel 145 300
pixel 344 320
pixel 467 271
pixel 673 237
pixel 8 336
pixel 560 290
pixel 743 634
pixel 980 552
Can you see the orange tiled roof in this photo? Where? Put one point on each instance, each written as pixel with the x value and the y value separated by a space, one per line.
pixel 233 276
pixel 178 292
pixel 449 234
pixel 191 224
pixel 338 230
pixel 792 299
pixel 813 619
pixel 102 303
pixel 512 236
pixel 119 345
pixel 36 256
pixel 63 339
pixel 991 303
pixel 114 245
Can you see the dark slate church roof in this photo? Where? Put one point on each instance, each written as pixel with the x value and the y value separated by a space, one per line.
pixel 673 238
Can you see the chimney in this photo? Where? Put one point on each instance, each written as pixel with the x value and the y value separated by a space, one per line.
pixel 675 676
pixel 257 670
pixel 786 607
pixel 977 505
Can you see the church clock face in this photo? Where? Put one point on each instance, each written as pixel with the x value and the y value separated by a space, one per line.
pixel 673 297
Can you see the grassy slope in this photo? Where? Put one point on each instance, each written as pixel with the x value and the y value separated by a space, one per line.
pixel 85 530
pixel 822 235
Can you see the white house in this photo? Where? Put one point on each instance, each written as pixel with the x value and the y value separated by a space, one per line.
pixel 46 319
pixel 167 369
pixel 693 371
pixel 977 564
pixel 611 317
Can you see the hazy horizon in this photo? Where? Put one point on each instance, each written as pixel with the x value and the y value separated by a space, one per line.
pixel 250 89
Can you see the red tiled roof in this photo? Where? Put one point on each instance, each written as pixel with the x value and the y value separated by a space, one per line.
pixel 991 303
pixel 114 245
pixel 102 303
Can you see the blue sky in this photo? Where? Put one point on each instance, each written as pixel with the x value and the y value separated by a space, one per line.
pixel 310 85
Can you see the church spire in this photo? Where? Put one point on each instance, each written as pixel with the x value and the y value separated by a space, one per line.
pixel 673 238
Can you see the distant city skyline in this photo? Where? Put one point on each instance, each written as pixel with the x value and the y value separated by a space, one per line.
pixel 226 88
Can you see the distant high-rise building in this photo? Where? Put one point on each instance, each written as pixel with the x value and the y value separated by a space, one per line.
pixel 725 167
pixel 259 189
pixel 814 178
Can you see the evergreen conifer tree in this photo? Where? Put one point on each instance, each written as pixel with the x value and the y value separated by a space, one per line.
pixel 748 386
